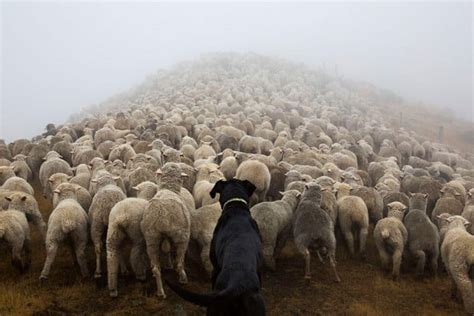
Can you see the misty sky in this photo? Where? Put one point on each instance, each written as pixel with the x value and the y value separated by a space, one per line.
pixel 57 57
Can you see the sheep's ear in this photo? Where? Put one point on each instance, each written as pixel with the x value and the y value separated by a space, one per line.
pixel 8 198
pixel 249 186
pixel 467 224
pixel 23 198
pixel 159 172
pixel 411 194
pixel 298 194
pixel 441 191
pixel 389 206
pixel 281 193
pixel 425 195
pixel 457 194
pixel 323 189
pixel 218 187
pixel 469 193
pixel 329 170
pixel 184 175
pixel 94 180
pixel 50 180
pixel 306 186
pixel 69 177
pixel 116 178
pixel 57 191
pixel 135 188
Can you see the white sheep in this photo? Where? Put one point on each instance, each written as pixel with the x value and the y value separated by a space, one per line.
pixel 15 231
pixel 457 252
pixel 167 218
pixel 108 194
pixel 124 222
pixel 274 221
pixel 68 219
pixel 352 212
pixel 391 236
pixel 257 173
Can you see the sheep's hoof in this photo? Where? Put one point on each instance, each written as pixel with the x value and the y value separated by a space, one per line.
pixel 113 293
pixel 141 278
pixel 161 295
pixel 43 279
pixel 307 277
pixel 183 279
pixel 337 280
pixel 97 275
pixel 395 277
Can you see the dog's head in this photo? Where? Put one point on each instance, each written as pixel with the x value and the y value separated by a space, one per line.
pixel 232 189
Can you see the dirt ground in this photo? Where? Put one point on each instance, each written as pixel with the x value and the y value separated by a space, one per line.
pixel 364 290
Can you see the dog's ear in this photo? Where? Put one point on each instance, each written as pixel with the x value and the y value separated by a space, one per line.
pixel 249 187
pixel 218 187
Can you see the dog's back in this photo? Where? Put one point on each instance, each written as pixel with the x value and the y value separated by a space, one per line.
pixel 235 255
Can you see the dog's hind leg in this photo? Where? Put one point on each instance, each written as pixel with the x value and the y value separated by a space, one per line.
pixel 180 254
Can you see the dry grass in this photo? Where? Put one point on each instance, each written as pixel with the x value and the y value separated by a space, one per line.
pixel 426 122
pixel 364 290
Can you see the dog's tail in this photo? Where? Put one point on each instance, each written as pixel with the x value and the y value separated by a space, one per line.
pixel 205 300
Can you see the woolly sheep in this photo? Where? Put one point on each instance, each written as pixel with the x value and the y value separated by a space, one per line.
pixel 18 184
pixel 312 227
pixel 53 164
pixel 15 231
pixel 28 205
pixel 166 216
pixel 258 174
pixel 68 219
pixel 373 200
pixel 6 172
pixel 468 211
pixel 423 236
pixel 457 252
pixel 124 222
pixel 352 212
pixel 203 222
pixel 390 237
pixel 21 168
pixel 274 221
pixel 108 194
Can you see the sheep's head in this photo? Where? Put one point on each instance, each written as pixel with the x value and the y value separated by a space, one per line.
pixel 455 221
pixel 397 209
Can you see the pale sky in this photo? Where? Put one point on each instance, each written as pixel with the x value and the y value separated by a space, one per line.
pixel 58 57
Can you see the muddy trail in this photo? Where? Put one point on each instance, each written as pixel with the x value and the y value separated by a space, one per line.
pixel 365 289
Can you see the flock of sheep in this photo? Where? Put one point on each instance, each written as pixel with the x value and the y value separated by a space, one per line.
pixel 319 153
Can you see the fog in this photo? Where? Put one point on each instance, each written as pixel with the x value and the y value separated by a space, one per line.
pixel 58 57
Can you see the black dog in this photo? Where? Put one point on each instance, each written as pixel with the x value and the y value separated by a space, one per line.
pixel 235 255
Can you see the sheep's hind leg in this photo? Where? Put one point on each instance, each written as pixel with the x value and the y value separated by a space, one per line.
pixel 153 250
pixel 332 261
pixel 180 254
pixel 421 260
pixel 307 259
pixel 51 251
